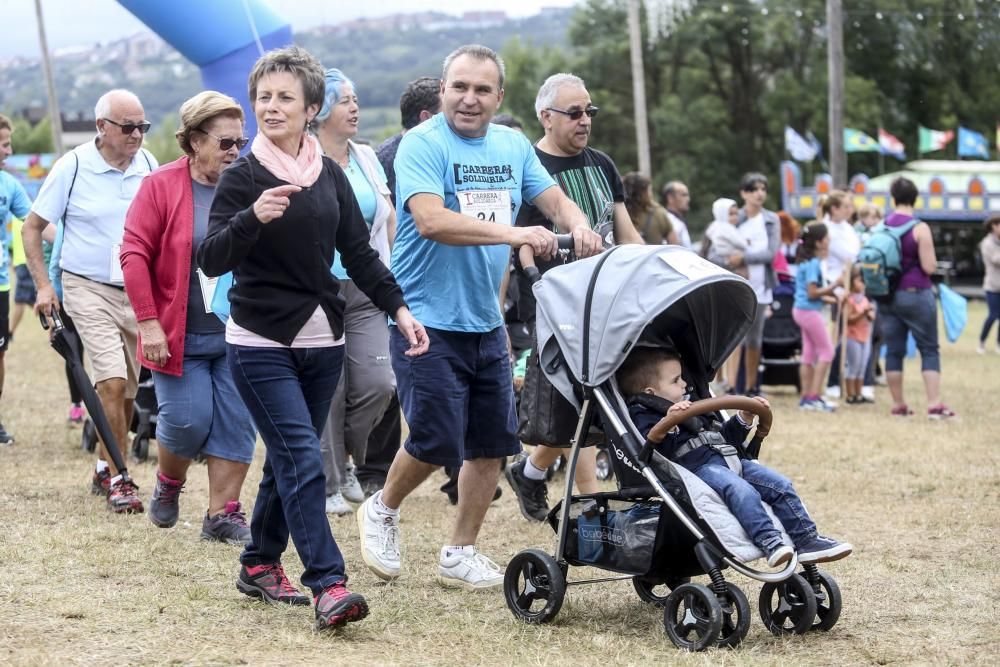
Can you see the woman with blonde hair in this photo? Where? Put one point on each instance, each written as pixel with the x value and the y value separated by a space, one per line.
pixel 180 340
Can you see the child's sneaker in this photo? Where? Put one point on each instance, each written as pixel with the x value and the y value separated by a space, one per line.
pixel 76 414
pixel 336 606
pixel 941 411
pixel 468 568
pixel 823 550
pixel 901 411
pixel 807 404
pixel 780 555
pixel 980 348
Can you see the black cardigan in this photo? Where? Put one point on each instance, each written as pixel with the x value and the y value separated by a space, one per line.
pixel 282 269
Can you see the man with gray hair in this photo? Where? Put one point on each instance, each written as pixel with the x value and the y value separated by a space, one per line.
pixel 591 179
pixel 460 181
pixel 91 188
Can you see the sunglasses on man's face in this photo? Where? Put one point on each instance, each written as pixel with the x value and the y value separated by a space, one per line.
pixel 226 144
pixel 129 128
pixel 577 114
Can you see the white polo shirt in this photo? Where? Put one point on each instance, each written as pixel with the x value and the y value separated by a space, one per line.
pixel 95 219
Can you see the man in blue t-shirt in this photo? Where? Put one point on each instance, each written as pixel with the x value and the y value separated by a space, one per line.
pixel 13 199
pixel 459 184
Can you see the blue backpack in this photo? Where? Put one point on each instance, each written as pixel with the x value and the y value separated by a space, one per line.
pixel 881 260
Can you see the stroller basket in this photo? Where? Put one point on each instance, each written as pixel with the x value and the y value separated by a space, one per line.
pixel 612 533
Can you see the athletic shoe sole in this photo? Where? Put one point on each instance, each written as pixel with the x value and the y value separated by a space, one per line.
pixel 452 582
pixel 842 550
pixel 353 608
pixel 509 474
pixel 377 569
pixel 255 591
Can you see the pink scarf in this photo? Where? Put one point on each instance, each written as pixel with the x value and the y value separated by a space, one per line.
pixel 302 170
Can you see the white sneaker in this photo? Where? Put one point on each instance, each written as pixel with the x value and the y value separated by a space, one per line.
pixel 468 568
pixel 335 504
pixel 832 392
pixel 980 349
pixel 868 392
pixel 351 487
pixel 379 540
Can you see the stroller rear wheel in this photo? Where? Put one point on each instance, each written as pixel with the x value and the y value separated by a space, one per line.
pixel 140 447
pixel 828 601
pixel 735 617
pixel 534 586
pixel 652 590
pixel 692 617
pixel 788 607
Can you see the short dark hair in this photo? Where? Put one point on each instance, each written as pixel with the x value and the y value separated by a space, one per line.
pixel 751 180
pixel 423 94
pixel 507 120
pixel 904 192
pixel 641 368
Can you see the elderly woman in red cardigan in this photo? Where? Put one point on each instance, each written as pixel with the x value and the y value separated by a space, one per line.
pixel 181 341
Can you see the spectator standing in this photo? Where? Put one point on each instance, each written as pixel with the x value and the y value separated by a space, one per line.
pixel 91 188
pixel 649 218
pixel 990 249
pixel 677 201
pixel 811 291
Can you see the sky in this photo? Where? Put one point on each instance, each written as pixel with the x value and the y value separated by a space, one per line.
pixel 71 23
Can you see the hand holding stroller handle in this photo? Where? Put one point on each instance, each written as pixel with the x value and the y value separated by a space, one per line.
pixel 665 425
pixel 53 316
pixel 565 241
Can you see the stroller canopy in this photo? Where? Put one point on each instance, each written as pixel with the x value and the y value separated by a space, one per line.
pixel 593 311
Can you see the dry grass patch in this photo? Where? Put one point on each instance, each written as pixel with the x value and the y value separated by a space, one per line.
pixel 919 500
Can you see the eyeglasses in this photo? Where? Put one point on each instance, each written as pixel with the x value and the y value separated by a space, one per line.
pixel 577 114
pixel 226 144
pixel 129 128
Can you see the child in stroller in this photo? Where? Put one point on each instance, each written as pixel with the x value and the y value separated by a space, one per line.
pixel 653 382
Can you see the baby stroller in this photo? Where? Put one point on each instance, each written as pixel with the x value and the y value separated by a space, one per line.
pixel 663 525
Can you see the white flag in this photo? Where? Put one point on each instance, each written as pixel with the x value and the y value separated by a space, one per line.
pixel 800 149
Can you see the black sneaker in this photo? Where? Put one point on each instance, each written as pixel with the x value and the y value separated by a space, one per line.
pixel 229 527
pixel 163 506
pixel 532 495
pixel 6 439
pixel 270 584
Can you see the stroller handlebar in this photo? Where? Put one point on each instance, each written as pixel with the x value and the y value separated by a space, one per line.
pixel 665 425
pixel 54 317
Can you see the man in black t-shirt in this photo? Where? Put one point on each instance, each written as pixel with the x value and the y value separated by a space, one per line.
pixel 591 179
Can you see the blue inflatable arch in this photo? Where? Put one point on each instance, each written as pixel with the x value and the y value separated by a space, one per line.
pixel 222 37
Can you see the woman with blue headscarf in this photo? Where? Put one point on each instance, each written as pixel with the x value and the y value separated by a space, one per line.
pixel 367 383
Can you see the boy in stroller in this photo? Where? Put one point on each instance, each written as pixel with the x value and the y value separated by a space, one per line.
pixel 652 380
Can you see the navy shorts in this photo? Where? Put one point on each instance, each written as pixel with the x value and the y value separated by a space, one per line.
pixel 458 397
pixel 24 290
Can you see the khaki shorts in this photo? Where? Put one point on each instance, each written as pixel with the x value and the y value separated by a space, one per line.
pixel 106 324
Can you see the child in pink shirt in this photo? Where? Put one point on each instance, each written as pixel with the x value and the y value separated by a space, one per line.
pixel 860 314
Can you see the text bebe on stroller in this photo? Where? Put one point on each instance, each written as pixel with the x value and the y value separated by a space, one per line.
pixel 663 525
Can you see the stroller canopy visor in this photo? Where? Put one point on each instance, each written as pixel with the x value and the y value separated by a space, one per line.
pixel 595 310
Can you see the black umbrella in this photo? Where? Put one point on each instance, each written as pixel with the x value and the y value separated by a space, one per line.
pixel 67 344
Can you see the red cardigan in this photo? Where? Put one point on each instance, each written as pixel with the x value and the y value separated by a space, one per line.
pixel 156 256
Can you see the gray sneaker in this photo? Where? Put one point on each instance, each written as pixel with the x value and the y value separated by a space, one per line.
pixel 229 527
pixel 350 487
pixel 164 507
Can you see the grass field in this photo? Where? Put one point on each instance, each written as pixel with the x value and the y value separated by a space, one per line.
pixel 919 500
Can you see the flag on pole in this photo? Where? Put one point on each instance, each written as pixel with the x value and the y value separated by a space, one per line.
pixel 797 147
pixel 856 141
pixel 972 144
pixel 890 145
pixel 818 147
pixel 934 140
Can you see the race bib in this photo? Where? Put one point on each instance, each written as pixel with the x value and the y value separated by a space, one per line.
pixel 115 270
pixel 207 289
pixel 486 205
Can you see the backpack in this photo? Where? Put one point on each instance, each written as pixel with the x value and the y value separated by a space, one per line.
pixel 881 260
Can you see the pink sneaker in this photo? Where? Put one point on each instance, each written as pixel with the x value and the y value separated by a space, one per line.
pixel 901 411
pixel 76 414
pixel 941 411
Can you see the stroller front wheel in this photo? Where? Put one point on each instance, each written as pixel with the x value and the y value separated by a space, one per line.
pixel 692 617
pixel 735 617
pixel 788 607
pixel 828 601
pixel 534 586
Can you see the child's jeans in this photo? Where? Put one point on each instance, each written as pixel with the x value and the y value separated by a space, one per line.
pixel 743 495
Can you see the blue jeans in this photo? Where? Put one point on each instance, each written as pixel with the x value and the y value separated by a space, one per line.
pixel 993 304
pixel 201 412
pixel 742 496
pixel 911 311
pixel 288 394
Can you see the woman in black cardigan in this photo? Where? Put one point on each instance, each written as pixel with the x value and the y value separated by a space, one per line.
pixel 277 217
